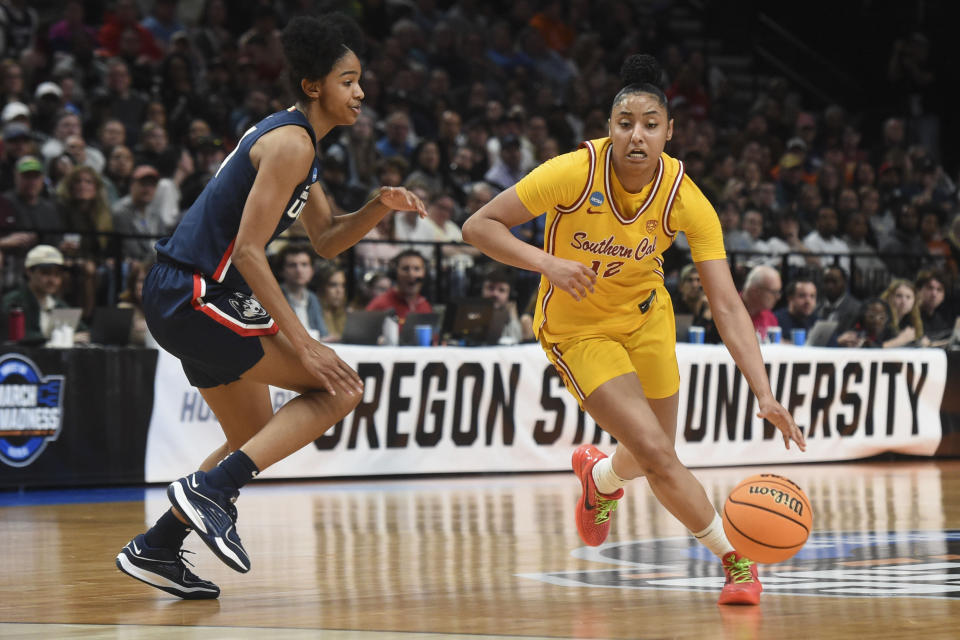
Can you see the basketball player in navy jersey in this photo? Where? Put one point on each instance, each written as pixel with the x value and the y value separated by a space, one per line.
pixel 212 301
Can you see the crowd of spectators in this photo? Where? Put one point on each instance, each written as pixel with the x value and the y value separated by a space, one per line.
pixel 114 115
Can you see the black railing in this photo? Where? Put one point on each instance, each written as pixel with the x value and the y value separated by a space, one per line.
pixel 450 277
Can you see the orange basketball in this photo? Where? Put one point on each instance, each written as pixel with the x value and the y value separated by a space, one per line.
pixel 767 518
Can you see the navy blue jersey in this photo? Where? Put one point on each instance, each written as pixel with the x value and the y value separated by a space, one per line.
pixel 204 239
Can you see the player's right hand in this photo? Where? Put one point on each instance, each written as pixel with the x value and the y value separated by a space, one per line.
pixel 335 375
pixel 571 276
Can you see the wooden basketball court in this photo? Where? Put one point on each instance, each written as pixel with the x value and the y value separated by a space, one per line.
pixel 494 557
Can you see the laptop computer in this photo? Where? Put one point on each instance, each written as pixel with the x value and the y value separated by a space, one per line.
pixel 408 333
pixel 111 325
pixel 65 317
pixel 474 321
pixel 821 332
pixel 364 327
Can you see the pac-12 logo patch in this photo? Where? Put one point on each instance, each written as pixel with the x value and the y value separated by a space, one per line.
pixel 247 308
pixel 596 198
pixel 31 410
pixel 852 564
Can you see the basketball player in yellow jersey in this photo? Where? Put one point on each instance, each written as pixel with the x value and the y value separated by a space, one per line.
pixel 604 317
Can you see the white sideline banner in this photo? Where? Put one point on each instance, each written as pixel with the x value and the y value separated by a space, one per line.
pixel 492 409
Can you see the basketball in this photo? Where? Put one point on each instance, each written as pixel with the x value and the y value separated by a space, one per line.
pixel 767 518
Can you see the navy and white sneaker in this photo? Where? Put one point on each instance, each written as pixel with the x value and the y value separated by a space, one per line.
pixel 165 570
pixel 212 515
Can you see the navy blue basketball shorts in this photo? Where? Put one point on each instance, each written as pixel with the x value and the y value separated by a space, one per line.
pixel 214 330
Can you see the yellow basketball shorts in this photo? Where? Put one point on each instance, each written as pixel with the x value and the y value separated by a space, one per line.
pixel 586 362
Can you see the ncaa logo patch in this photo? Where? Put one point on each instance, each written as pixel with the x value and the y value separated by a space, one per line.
pixel 247 307
pixel 596 198
pixel 839 564
pixel 31 410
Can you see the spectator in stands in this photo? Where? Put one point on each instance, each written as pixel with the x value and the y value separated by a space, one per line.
pixel 37 297
pixel 333 299
pixel 837 303
pixel 691 299
pixel 296 272
pixel 17 142
pixel 133 215
pixel 155 150
pixel 409 269
pixel 734 238
pixel 938 322
pixel 34 210
pixel 19 23
pixel 162 22
pixel 335 177
pixel 373 284
pixel 801 309
pixel 110 134
pixel 116 176
pixel 825 241
pixel 426 170
pixel 507 170
pixel 132 298
pixel 120 21
pixel 872 328
pixel 760 294
pixel 72 34
pixel 903 250
pixel 396 141
pixel 68 125
pixel 119 100
pixel 786 240
pixel 864 259
pixel 931 233
pixel 497 285
pixel 82 199
pixel 901 297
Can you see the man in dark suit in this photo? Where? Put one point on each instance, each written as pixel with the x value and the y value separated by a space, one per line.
pixel 838 303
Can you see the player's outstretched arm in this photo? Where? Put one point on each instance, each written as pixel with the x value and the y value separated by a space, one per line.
pixel 330 234
pixel 738 335
pixel 489 231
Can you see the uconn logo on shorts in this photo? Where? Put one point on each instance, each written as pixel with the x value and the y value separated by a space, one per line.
pixel 31 410
pixel 247 307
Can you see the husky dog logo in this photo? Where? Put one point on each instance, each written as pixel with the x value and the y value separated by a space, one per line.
pixel 247 307
pixel 651 226
pixel 31 410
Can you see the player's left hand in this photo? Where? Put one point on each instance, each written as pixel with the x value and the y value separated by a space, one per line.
pixel 775 412
pixel 401 199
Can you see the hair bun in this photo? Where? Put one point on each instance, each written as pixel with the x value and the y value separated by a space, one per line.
pixel 640 68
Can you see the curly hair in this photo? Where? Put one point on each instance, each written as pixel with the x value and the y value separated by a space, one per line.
pixel 641 73
pixel 313 46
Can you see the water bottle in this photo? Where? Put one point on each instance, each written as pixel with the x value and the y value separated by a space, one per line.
pixel 16 325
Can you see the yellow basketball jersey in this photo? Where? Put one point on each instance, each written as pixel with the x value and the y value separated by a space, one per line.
pixel 592 219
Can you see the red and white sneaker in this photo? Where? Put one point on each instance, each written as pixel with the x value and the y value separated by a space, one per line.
pixel 742 585
pixel 594 508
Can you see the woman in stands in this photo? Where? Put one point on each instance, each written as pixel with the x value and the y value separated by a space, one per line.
pixel 213 301
pixel 605 319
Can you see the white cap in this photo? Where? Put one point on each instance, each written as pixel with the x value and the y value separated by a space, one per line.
pixel 48 88
pixel 43 254
pixel 14 110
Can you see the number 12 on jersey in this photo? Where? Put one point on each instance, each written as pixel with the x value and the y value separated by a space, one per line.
pixel 611 269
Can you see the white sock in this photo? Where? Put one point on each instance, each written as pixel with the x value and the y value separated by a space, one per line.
pixel 714 538
pixel 606 480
